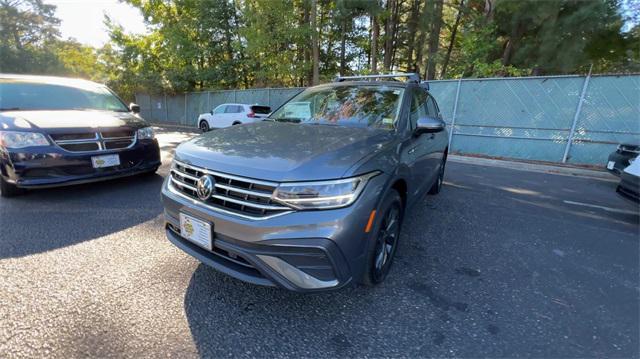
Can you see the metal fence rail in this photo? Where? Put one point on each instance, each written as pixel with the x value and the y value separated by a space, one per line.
pixel 575 119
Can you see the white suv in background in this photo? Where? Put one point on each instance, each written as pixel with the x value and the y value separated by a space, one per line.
pixel 229 114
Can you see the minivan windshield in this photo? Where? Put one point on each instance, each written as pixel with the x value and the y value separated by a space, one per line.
pixel 352 106
pixel 16 95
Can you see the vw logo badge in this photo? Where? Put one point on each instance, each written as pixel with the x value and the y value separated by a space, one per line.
pixel 204 187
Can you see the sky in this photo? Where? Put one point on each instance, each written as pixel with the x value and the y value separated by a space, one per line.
pixel 83 19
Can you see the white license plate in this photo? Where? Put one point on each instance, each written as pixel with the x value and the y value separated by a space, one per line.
pixel 105 161
pixel 610 165
pixel 195 230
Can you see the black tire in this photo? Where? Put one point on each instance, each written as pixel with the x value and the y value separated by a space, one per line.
pixel 9 190
pixel 204 126
pixel 437 185
pixel 236 123
pixel 384 239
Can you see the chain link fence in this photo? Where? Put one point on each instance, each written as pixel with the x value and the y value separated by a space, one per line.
pixel 575 119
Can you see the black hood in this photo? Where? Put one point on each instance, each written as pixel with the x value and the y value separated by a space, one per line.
pixel 68 121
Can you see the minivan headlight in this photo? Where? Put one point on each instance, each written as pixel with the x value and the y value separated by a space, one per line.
pixel 146 133
pixel 16 139
pixel 322 194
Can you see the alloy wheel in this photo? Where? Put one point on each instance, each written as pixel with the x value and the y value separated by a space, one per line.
pixel 386 242
pixel 204 127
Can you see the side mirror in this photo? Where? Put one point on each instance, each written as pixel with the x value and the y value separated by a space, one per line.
pixel 428 124
pixel 135 108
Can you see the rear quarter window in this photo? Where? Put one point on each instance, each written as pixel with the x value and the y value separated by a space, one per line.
pixel 262 110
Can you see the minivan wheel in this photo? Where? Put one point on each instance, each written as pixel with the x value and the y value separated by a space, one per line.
pixel 9 190
pixel 204 126
pixel 437 186
pixel 385 236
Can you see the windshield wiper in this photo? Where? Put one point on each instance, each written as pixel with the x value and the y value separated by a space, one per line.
pixel 287 119
pixel 10 109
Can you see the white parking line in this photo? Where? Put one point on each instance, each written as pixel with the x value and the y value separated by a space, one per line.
pixel 608 209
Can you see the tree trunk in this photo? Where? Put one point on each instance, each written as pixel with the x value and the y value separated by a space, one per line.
pixel 375 33
pixel 413 24
pixel 389 26
pixel 343 43
pixel 434 40
pixel 307 50
pixel 423 29
pixel 513 40
pixel 314 46
pixel 452 41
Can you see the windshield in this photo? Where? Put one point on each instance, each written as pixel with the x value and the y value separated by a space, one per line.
pixel 354 106
pixel 26 96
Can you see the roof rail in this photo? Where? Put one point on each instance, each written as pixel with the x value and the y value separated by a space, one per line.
pixel 411 77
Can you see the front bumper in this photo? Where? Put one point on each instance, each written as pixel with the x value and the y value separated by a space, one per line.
pixel 302 251
pixel 629 187
pixel 620 161
pixel 52 166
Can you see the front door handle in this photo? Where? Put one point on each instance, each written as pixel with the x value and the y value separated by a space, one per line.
pixel 412 150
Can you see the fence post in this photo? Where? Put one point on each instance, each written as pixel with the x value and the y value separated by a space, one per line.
pixel 208 101
pixel 235 96
pixel 185 108
pixel 269 97
pixel 576 116
pixel 166 109
pixel 453 116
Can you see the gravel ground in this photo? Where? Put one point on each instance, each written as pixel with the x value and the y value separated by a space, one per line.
pixel 502 263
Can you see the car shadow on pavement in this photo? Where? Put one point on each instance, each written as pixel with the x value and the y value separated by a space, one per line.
pixel 496 265
pixel 47 219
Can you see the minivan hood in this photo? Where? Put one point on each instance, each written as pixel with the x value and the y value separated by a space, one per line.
pixel 64 121
pixel 283 151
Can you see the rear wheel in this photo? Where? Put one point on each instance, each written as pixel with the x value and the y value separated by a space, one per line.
pixel 236 123
pixel 9 190
pixel 204 126
pixel 386 234
pixel 437 186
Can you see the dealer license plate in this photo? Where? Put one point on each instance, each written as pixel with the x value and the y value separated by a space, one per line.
pixel 105 161
pixel 195 230
pixel 610 165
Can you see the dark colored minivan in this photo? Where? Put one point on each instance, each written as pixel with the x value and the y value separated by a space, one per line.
pixel 57 131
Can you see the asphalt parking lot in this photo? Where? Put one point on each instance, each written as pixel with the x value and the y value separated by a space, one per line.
pixel 503 263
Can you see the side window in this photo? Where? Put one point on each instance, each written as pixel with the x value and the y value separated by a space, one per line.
pixel 418 107
pixel 432 108
pixel 219 109
pixel 233 109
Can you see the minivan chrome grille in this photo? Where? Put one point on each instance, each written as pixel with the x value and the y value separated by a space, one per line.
pixel 95 141
pixel 245 197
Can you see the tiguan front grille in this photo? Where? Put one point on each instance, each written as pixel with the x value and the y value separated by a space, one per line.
pixel 245 197
pixel 95 141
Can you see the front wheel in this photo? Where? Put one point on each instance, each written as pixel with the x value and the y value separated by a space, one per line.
pixel 9 190
pixel 204 126
pixel 385 236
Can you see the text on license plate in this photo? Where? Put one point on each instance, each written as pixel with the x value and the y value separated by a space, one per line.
pixel 105 161
pixel 196 231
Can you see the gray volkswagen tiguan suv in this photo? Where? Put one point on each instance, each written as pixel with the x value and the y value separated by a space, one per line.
pixel 313 198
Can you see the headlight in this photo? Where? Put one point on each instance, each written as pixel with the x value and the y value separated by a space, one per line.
pixel 14 139
pixel 146 133
pixel 322 194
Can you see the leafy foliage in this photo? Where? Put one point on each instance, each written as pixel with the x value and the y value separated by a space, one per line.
pixel 220 44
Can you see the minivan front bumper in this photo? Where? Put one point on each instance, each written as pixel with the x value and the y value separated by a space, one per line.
pixel 301 251
pixel 51 166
